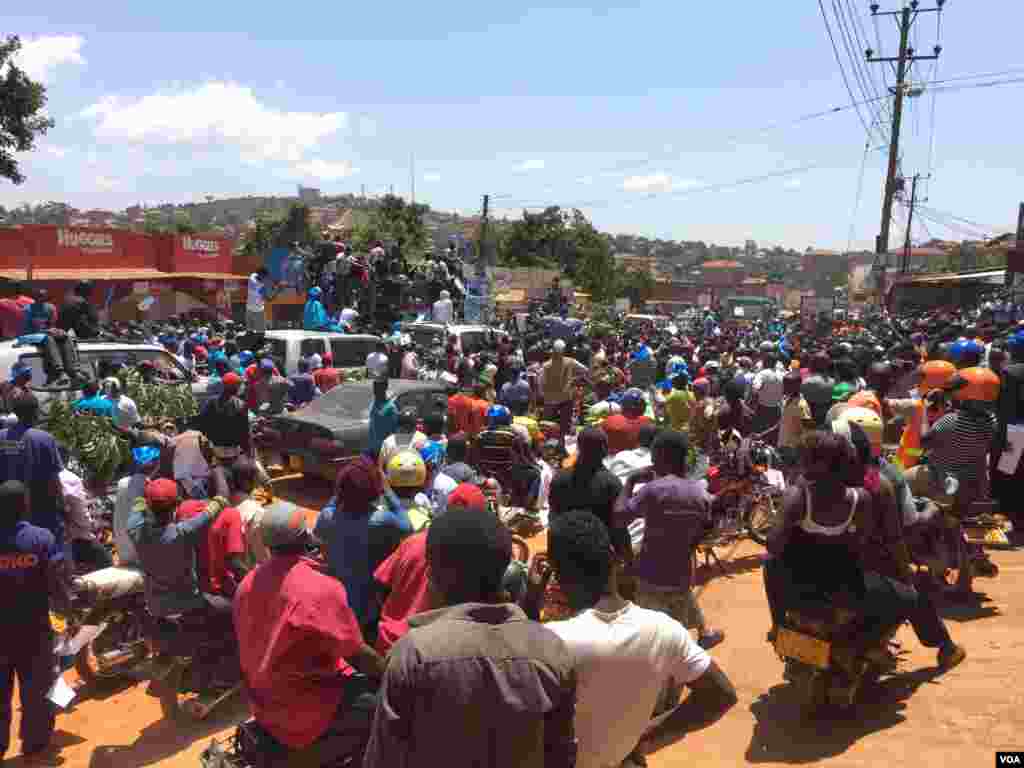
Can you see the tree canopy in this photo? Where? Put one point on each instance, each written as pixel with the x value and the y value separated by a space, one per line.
pixel 396 220
pixel 21 105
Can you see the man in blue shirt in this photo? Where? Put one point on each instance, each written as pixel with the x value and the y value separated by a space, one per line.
pixel 383 418
pixel 30 456
pixel 93 402
pixel 31 573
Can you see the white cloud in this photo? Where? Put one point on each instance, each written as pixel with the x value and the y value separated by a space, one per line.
pixel 54 150
pixel 324 169
pixel 215 113
pixel 793 184
pixel 41 56
pixel 531 165
pixel 106 183
pixel 655 182
pixel 431 176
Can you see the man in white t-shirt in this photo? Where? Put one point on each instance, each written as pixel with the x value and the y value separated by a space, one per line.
pixel 255 302
pixel 625 657
pixel 444 310
pixel 377 362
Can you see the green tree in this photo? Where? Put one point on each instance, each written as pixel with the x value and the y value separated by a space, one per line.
pixel 536 239
pixel 153 223
pixel 637 285
pixel 183 223
pixel 21 104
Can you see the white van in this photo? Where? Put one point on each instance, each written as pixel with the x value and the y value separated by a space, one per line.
pixel 349 350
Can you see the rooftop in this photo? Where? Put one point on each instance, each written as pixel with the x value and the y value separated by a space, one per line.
pixel 721 264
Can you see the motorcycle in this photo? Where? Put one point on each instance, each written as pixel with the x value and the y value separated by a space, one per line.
pixel 830 672
pixel 196 667
pixel 940 542
pixel 251 746
pixel 745 478
pixel 108 624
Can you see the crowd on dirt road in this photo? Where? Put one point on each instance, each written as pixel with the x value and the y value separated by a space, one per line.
pixel 410 615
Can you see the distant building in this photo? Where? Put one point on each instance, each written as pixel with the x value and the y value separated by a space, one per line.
pixel 631 262
pixel 309 194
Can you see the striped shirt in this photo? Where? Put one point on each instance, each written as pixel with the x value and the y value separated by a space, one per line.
pixel 961 443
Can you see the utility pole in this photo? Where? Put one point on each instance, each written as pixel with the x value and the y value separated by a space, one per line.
pixel 480 271
pixel 903 63
pixel 905 265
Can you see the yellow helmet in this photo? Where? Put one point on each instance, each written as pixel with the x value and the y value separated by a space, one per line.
pixel 867 420
pixel 406 470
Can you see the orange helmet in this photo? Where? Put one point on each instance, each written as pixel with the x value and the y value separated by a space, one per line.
pixel 978 384
pixel 867 400
pixel 935 374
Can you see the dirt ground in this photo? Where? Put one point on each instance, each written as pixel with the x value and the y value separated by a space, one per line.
pixel 914 717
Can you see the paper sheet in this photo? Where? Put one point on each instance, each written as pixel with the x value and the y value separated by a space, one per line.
pixel 61 693
pixel 1010 459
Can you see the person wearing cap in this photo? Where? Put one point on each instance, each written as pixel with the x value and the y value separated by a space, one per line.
pixel 623 429
pixel 16 386
pixel 145 465
pixel 166 551
pixel 470 646
pixel 301 385
pixel 327 377
pixel 255 303
pixel 377 363
pixel 126 413
pixel 225 421
pixel 817 388
pixel 557 380
pixel 300 644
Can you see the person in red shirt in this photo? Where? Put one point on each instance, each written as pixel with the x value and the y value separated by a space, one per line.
pixel 298 641
pixel 12 311
pixel 459 406
pixel 328 377
pixel 404 578
pixel 478 406
pixel 623 429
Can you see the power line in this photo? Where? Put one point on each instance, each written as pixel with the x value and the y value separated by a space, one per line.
pixel 847 32
pixel 842 70
pixel 860 190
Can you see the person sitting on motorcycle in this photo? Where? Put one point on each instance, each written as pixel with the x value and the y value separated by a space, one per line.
pixel 314 316
pixel 864 428
pixel 817 553
pixel 404 507
pixel 504 452
pixel 302 388
pixel 607 405
pixel 623 429
pixel 166 551
pixel 920 412
pixel 300 644
pixel 958 444
pixel 703 430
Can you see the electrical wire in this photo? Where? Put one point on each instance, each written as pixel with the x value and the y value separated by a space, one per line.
pixel 842 70
pixel 962 219
pixel 860 74
pixel 860 191
pixel 878 82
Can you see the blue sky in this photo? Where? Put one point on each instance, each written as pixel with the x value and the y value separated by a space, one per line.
pixel 627 112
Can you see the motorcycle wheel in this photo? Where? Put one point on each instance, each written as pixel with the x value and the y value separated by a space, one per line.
pixel 86 662
pixel 761 518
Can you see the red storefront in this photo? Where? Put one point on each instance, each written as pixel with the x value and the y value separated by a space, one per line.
pixel 182 273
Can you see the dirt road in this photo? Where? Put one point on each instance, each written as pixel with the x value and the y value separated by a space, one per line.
pixel 915 717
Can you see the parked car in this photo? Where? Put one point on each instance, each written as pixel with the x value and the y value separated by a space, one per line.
pixel 350 350
pixel 471 337
pixel 336 426
pixel 92 354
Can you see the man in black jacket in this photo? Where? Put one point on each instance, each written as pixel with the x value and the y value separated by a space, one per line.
pixel 78 314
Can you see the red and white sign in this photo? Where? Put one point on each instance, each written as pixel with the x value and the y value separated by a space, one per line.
pixel 208 249
pixel 85 240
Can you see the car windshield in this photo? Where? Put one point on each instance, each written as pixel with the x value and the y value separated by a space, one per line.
pixel 278 349
pixel 345 403
pixel 100 362
pixel 351 353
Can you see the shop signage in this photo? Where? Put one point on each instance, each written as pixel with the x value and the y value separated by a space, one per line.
pixel 196 245
pixel 89 242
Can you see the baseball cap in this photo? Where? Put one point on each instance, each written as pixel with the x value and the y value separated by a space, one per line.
pixel 315 361
pixel 231 382
pixel 283 523
pixel 161 491
pixel 328 358
pixel 469 496
pixel 266 364
pixel 19 371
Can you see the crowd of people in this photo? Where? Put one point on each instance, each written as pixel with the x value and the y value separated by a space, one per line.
pixel 402 616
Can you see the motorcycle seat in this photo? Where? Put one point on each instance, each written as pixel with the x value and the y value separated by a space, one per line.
pixel 108 583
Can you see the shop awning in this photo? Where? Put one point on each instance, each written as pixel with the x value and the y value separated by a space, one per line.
pixel 140 273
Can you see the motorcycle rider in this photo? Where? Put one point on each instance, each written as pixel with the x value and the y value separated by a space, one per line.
pixel 864 428
pixel 922 411
pixel 1007 479
pixel 299 643
pixel 165 551
pixel 817 551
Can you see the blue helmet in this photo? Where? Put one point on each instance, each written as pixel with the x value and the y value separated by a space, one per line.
pixel 1016 342
pixel 632 399
pixel 145 454
pixel 315 292
pixel 498 416
pixel 962 350
pixel 245 357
